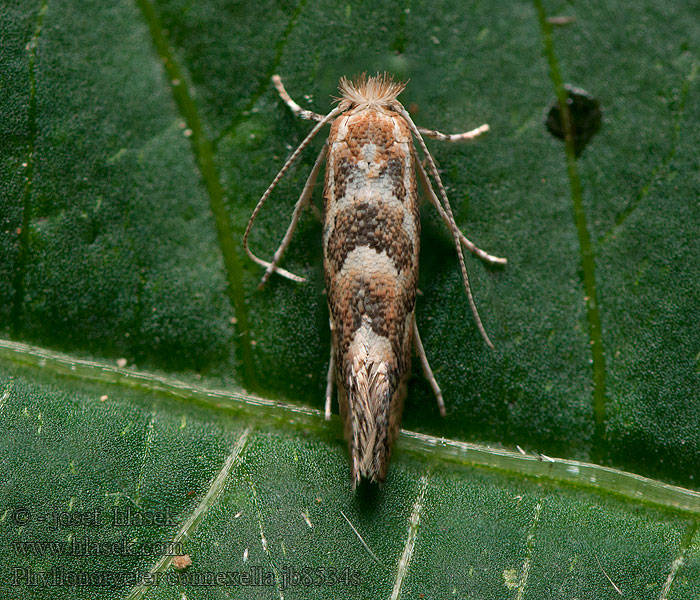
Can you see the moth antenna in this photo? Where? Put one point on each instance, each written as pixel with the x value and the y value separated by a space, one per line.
pixel 473 248
pixel 293 106
pixel 453 225
pixel 300 205
pixel 307 140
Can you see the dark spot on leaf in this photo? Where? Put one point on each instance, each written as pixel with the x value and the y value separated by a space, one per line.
pixel 586 117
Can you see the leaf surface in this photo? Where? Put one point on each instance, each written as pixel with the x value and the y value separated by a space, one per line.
pixel 137 137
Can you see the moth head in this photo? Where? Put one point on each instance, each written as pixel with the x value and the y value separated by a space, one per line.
pixel 366 91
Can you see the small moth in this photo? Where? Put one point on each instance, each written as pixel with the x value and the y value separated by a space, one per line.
pixel 371 239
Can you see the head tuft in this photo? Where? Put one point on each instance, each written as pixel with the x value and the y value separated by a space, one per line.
pixel 364 90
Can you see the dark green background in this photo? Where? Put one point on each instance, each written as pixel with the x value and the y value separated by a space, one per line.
pixel 149 130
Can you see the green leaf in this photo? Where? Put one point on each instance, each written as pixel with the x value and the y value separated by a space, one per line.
pixel 252 486
pixel 135 140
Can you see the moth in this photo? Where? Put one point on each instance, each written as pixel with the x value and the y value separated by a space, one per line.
pixel 371 243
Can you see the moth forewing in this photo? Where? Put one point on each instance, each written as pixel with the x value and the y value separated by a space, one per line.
pixel 371 240
pixel 371 243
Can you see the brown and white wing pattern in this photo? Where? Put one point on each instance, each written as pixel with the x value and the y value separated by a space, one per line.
pixel 371 240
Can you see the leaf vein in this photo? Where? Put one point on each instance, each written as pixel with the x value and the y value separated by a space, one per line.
pixel 204 156
pixel 405 560
pixel 146 451
pixel 631 486
pixel 263 541
pixel 525 569
pixel 264 81
pixel 595 331
pixel 660 172
pixel 21 266
pixel 679 560
pixel 213 492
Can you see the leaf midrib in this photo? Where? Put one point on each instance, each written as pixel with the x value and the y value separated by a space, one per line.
pixel 598 478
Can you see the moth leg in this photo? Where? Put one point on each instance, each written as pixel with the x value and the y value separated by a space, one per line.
pixel 453 225
pixel 294 107
pixel 303 199
pixel 473 248
pixel 454 137
pixel 427 371
pixel 329 384
pixel 307 140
